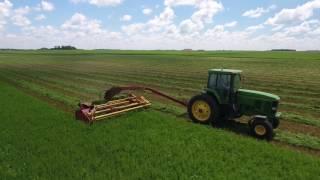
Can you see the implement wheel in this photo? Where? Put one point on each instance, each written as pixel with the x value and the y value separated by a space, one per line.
pixel 262 129
pixel 203 109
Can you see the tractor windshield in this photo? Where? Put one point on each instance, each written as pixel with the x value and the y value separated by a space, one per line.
pixel 224 81
pixel 219 81
pixel 212 81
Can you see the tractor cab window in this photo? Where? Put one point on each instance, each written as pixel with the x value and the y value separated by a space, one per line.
pixel 224 81
pixel 212 81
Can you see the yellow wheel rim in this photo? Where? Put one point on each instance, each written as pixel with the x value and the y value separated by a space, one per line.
pixel 201 110
pixel 260 130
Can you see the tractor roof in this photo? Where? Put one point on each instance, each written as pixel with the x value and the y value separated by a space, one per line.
pixel 225 71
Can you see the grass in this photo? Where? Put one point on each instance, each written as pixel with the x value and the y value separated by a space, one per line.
pixel 301 119
pixel 73 76
pixel 41 142
pixel 303 140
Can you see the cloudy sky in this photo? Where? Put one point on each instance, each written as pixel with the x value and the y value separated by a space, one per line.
pixel 161 24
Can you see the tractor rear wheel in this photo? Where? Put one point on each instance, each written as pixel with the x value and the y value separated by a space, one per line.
pixel 203 109
pixel 262 129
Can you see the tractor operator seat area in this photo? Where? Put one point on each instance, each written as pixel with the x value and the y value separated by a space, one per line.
pixel 224 81
pixel 220 81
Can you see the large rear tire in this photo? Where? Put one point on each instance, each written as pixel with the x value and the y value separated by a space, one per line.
pixel 262 129
pixel 203 109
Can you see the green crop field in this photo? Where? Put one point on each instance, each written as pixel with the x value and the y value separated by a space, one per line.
pixel 158 142
pixel 41 142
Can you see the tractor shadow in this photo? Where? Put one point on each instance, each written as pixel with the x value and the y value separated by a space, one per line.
pixel 234 126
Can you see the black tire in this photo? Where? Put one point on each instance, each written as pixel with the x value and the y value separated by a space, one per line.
pixel 210 101
pixel 275 123
pixel 262 129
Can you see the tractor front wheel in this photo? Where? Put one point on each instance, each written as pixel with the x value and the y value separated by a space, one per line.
pixel 203 109
pixel 261 129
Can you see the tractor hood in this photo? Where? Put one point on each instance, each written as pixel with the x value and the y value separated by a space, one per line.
pixel 258 95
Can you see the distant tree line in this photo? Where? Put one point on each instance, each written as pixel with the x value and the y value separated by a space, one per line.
pixel 283 50
pixel 60 48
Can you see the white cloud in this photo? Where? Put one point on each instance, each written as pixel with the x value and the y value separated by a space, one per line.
pixel 5 10
pixel 77 1
pixel 231 24
pixel 40 17
pixel 45 6
pixel 165 18
pixel 160 32
pixel 20 21
pixel 23 11
pixel 316 31
pixel 280 41
pixel 256 13
pixel 218 28
pixel 134 28
pixel 303 29
pixel 157 24
pixel 79 23
pixel 187 27
pixel 79 30
pixel 100 3
pixel 216 38
pixel 277 27
pixel 206 10
pixel 215 31
pixel 254 28
pixel 49 36
pixel 180 2
pixel 164 23
pixel 203 15
pixel 298 14
pixel 19 17
pixel 147 11
pixel 105 2
pixel 126 18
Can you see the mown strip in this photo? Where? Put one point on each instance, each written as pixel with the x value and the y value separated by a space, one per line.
pixel 298 139
pixel 300 119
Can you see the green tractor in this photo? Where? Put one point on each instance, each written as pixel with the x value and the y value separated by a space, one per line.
pixel 223 99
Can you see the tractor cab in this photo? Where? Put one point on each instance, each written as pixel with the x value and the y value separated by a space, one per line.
pixel 223 99
pixel 224 83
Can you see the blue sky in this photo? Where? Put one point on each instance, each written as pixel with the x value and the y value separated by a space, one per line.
pixel 161 24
